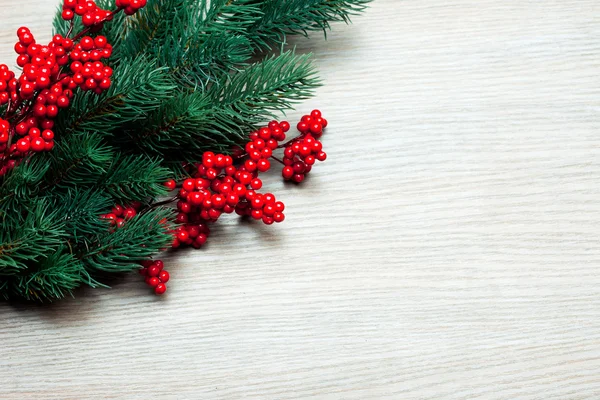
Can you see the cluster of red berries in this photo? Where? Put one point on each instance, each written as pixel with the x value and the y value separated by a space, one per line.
pixel 222 184
pixel 51 74
pixel 39 64
pixel 91 75
pixel 302 152
pixel 262 144
pixel 131 6
pixel 8 85
pixel 219 187
pixel 88 10
pixel 120 214
pixel 300 156
pixel 156 276
pixel 313 124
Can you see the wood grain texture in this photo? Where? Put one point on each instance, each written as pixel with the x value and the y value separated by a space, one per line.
pixel 448 248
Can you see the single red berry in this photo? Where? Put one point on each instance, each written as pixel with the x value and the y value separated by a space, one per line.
pixel 170 184
pixel 257 202
pixel 316 128
pixel 259 144
pixel 285 126
pixel 183 236
pixel 256 184
pixel 298 178
pixel 23 145
pixel 278 217
pixel 153 281
pixel 164 276
pixel 129 213
pixel 195 198
pixel 161 288
pixel 153 270
pixel 322 156
pixel 38 144
pixel 189 185
pixel 201 239
pixel 118 211
pixel 279 206
pixel 303 127
pixel 264 165
pixel 256 214
pixel 287 172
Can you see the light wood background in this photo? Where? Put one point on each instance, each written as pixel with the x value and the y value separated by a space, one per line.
pixel 447 249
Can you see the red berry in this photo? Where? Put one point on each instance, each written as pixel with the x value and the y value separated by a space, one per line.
pixel 279 206
pixel 278 217
pixel 164 276
pixel 256 184
pixel 189 185
pixel 256 214
pixel 153 270
pixel 23 145
pixel 183 236
pixel 303 127
pixel 170 184
pixel 195 198
pixel 161 288
pixel 257 202
pixel 264 165
pixel 298 178
pixel 316 128
pixel 38 144
pixel 322 156
pixel 287 172
pixel 153 282
pixel 201 239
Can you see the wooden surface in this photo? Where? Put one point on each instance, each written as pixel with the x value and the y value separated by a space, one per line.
pixel 447 249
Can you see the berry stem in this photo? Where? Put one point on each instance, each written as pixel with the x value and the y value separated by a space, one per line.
pixel 286 144
pixel 71 26
pixel 86 30
pixel 280 161
pixel 161 203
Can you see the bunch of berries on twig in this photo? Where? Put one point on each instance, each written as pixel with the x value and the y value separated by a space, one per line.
pixel 223 184
pixel 50 76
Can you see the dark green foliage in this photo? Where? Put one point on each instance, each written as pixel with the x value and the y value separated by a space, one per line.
pixel 282 18
pixel 190 76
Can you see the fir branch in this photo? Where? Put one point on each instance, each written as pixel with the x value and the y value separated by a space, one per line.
pixel 56 275
pixel 275 84
pixel 78 160
pixel 139 87
pixel 121 250
pixel 39 233
pixel 19 187
pixel 81 210
pixel 299 17
pixel 132 178
pixel 221 117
